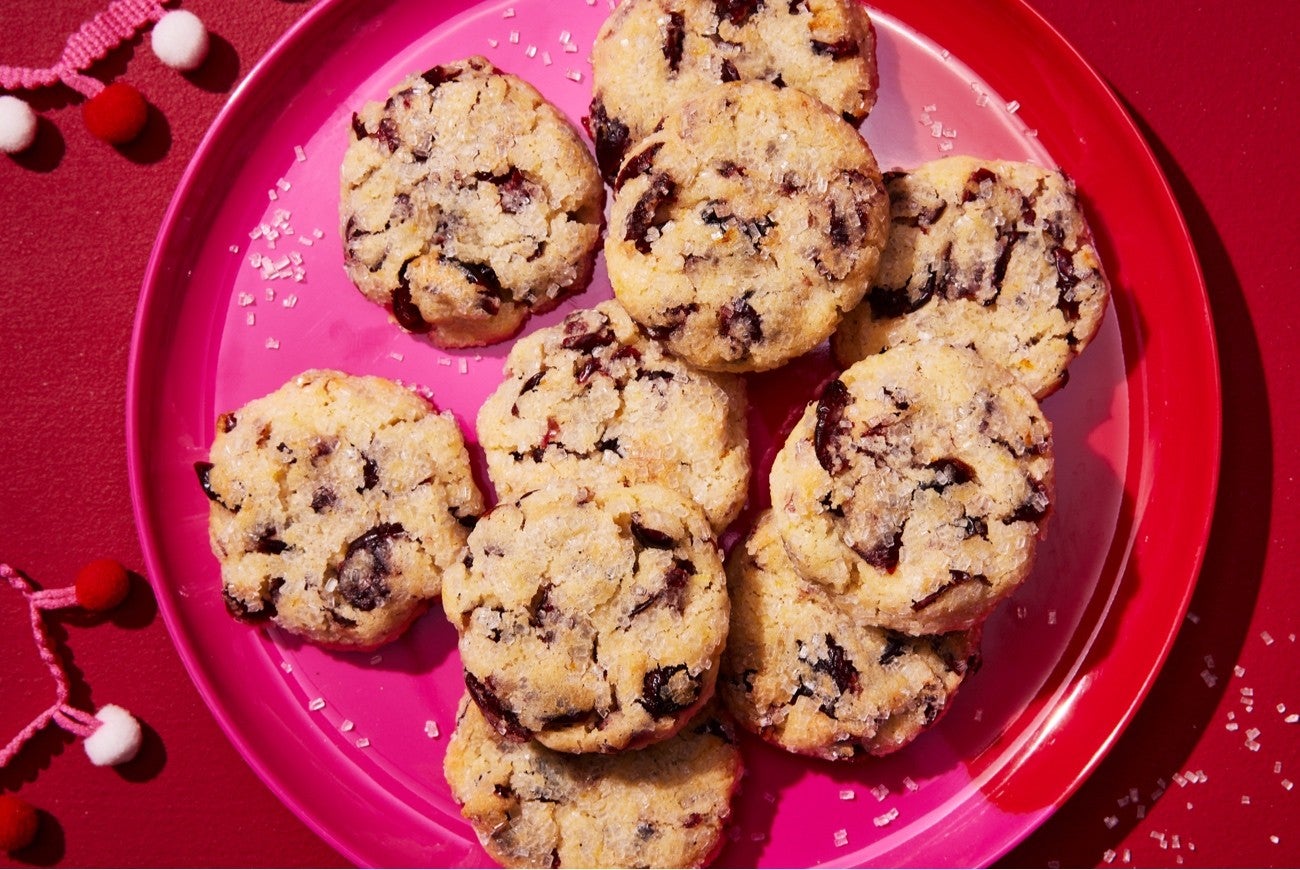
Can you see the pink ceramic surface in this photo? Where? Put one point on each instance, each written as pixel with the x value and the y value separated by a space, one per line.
pixel 230 312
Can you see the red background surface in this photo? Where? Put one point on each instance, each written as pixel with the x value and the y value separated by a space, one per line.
pixel 1212 86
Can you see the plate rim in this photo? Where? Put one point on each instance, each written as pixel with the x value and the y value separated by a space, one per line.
pixel 319 18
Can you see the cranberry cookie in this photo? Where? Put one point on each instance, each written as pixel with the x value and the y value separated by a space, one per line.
pixel 467 202
pixel 803 674
pixel 916 487
pixel 990 254
pixel 743 229
pixel 593 400
pixel 651 54
pixel 592 620
pixel 662 806
pixel 337 502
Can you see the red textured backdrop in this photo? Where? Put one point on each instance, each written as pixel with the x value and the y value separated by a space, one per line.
pixel 1214 90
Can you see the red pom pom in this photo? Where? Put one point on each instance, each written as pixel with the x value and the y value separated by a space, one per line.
pixel 18 821
pixel 116 114
pixel 102 585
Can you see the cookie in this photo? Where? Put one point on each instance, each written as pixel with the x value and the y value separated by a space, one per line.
pixel 467 202
pixel 990 254
pixel 805 675
pixel 662 806
pixel 743 229
pixel 651 54
pixel 916 487
pixel 337 502
pixel 593 400
pixel 592 620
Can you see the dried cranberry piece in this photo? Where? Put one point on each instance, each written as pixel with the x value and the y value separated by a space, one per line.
pixel 663 696
pixel 895 645
pixel 322 498
pixel 974 527
pixel 387 134
pixel 717 728
pixel 673 593
pixel 440 75
pixel 532 382
pixel 227 422
pixel 513 189
pixel 365 565
pixel 587 342
pixel 369 474
pixel 1035 507
pixel 834 400
pixel 674 39
pixel 889 302
pixel 638 164
pixel 736 11
pixel 730 169
pixel 405 311
pixel 203 470
pixel 729 73
pixel 269 544
pixel 838 666
pixel 359 129
pixel 611 137
pixel 540 607
pixel 241 611
pixel 837 50
pixel 645 213
pixel 1008 241
pixel 499 716
pixel 569 719
pixel 675 317
pixel 956 578
pixel 923 219
pixel 977 178
pixel 947 472
pixel 883 556
pixel 739 322
pixel 649 537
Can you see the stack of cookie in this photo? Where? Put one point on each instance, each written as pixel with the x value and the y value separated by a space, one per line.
pixel 596 612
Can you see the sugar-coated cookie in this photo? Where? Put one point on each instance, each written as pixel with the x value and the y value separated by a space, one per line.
pixel 662 806
pixel 651 54
pixel 990 254
pixel 801 671
pixel 337 502
pixel 916 487
pixel 467 202
pixel 744 229
pixel 593 400
pixel 592 620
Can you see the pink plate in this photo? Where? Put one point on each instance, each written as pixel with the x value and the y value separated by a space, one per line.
pixel 245 289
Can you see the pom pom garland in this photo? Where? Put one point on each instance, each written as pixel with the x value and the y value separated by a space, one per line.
pixel 18 823
pixel 180 40
pixel 112 736
pixel 116 113
pixel 17 125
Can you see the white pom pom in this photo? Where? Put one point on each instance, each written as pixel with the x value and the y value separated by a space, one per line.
pixel 180 40
pixel 117 740
pixel 17 125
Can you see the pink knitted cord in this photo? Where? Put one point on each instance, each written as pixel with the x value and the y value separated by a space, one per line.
pixel 96 38
pixel 67 717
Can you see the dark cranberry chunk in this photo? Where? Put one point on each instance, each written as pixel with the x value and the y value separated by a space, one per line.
pixel 532 382
pixel 387 134
pixel 203 470
pixel 611 138
pixel 649 537
pixel 837 50
pixel 405 311
pixel 675 318
pixel 322 498
pixel 269 544
pixel 586 341
pixel 838 666
pixel 974 527
pixel 1035 507
pixel 645 213
pixel 513 188
pixel 1008 241
pixel 440 75
pixel 948 471
pixel 540 607
pixel 923 219
pixel 739 322
pixel 718 729
pixel 956 578
pixel 227 422
pixel 674 39
pixel 499 716
pixel 365 565
pixel 890 302
pixel 834 400
pixel 369 474
pixel 895 645
pixel 668 690
pixel 569 719
pixel 736 11
pixel 729 72
pixel 638 164
pixel 976 180
pixel 884 555
pixel 359 129
pixel 673 593
pixel 241 611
